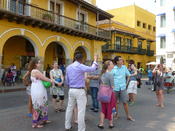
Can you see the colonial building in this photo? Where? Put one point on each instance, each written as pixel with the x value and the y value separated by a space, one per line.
pixel 50 29
pixel 133 35
pixel 165 35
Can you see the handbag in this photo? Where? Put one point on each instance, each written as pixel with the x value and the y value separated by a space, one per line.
pixel 46 84
pixel 104 94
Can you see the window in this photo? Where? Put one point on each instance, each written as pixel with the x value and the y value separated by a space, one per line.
pixel 154 28
pixel 149 27
pixel 162 20
pixel 162 2
pixel 140 44
pixel 118 42
pixel 138 23
pixel 82 17
pixel 129 43
pixel 162 42
pixel 148 45
pixel 17 6
pixel 58 8
pixel 144 25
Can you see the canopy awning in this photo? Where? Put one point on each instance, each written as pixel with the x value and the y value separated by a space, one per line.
pixel 160 14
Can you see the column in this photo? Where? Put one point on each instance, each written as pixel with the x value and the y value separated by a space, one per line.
pixel 68 62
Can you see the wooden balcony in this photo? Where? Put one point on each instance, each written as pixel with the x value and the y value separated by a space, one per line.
pixel 123 49
pixel 23 13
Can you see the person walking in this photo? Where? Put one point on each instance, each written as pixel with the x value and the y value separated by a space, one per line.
pixel 94 85
pixel 150 75
pixel 120 72
pixel 107 79
pixel 38 95
pixel 132 86
pixel 169 80
pixel 75 80
pixel 159 84
pixel 57 90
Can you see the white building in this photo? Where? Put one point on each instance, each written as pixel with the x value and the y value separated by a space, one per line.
pixel 165 36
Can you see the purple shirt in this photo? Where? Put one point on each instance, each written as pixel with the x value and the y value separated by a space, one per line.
pixel 75 74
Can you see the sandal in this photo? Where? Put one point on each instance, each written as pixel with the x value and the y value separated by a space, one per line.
pixel 158 105
pixel 130 119
pixel 57 110
pixel 111 126
pixel 37 126
pixel 61 110
pixel 100 126
pixel 76 122
pixel 47 122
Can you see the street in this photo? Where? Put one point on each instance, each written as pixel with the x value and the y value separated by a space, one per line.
pixel 13 111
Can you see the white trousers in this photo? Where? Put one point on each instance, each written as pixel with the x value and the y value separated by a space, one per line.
pixel 76 96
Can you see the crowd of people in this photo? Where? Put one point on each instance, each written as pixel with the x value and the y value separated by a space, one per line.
pixel 113 84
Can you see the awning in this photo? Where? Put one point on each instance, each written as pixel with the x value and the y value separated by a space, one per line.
pixel 160 14
pixel 161 35
pixel 173 30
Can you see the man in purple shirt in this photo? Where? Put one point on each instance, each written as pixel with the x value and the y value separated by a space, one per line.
pixel 75 79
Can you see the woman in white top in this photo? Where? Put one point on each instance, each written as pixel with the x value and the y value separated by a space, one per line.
pixel 38 95
pixel 57 90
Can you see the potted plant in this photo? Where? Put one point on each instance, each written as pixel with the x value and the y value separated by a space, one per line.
pixel 48 17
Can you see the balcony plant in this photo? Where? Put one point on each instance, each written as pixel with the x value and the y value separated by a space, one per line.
pixel 48 17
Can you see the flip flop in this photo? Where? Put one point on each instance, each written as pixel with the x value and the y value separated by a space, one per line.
pixel 47 122
pixel 130 119
pixel 37 126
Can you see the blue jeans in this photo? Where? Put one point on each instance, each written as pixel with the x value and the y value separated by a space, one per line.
pixel 94 91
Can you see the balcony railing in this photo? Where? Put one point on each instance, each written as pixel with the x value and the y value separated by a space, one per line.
pixel 150 53
pixel 30 11
pixel 123 49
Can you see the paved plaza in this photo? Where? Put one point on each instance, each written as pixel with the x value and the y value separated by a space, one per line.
pixel 13 110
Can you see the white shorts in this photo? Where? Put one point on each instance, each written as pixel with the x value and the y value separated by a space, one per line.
pixel 132 87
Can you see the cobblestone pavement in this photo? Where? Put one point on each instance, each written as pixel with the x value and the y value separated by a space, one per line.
pixel 13 110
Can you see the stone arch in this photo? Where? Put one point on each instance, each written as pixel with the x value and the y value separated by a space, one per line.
pixel 29 35
pixel 85 45
pixel 61 41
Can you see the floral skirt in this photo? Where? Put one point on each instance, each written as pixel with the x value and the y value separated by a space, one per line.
pixel 40 113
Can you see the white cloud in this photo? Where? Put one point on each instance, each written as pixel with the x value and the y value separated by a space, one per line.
pixel 111 4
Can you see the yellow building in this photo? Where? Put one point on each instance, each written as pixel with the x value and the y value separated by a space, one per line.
pixel 133 35
pixel 50 29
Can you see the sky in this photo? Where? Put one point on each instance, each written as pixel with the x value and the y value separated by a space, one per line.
pixel 111 4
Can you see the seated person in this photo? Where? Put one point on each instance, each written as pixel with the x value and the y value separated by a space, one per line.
pixel 9 77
